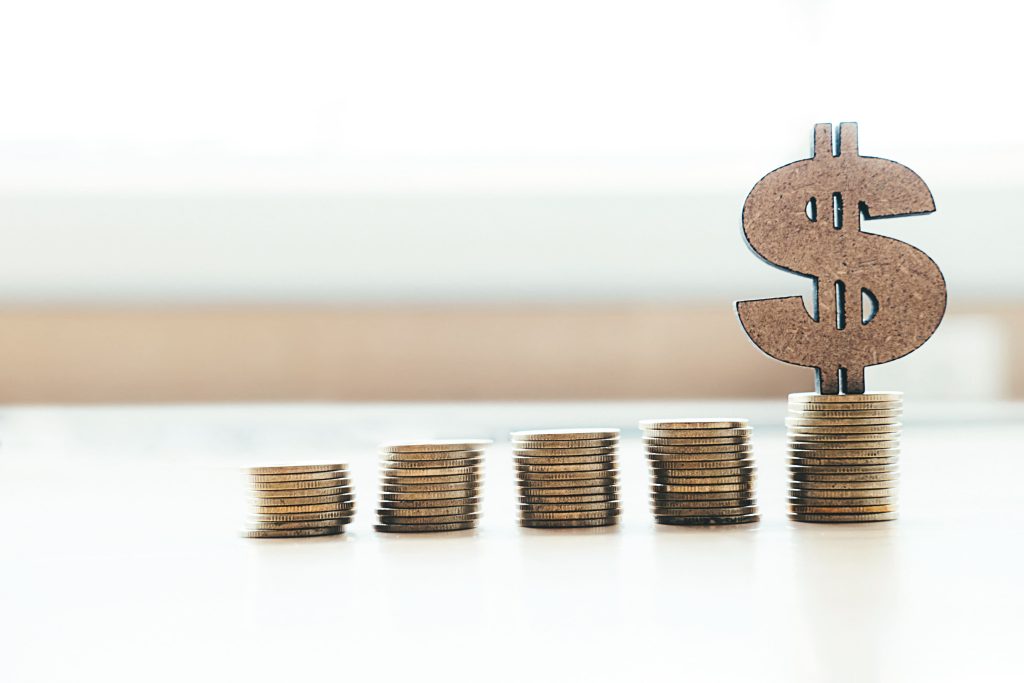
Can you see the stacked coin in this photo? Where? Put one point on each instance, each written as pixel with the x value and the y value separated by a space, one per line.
pixel 299 500
pixel 430 485
pixel 844 456
pixel 702 471
pixel 568 478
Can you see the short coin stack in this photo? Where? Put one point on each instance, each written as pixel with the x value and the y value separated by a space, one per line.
pixel 289 501
pixel 430 485
pixel 844 456
pixel 702 471
pixel 568 478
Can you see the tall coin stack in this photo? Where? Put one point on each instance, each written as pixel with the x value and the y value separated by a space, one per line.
pixel 702 471
pixel 844 456
pixel 289 501
pixel 568 478
pixel 430 485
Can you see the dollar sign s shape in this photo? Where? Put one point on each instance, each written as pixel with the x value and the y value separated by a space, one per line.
pixel 806 218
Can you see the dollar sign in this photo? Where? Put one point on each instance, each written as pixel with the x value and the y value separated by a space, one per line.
pixel 806 218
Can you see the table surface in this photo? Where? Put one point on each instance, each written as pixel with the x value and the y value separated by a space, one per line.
pixel 122 561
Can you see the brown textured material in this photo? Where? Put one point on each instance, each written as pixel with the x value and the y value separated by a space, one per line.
pixel 806 218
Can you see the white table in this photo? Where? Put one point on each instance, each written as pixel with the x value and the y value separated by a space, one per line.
pixel 121 560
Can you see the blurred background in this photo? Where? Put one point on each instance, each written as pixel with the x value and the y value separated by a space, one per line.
pixel 223 201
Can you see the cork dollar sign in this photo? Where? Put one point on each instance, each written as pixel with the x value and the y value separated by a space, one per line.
pixel 876 298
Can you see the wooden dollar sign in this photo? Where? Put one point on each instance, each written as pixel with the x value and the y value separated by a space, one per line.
pixel 806 218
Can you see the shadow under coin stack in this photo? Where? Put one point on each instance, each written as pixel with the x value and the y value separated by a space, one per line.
pixel 844 456
pixel 702 471
pixel 290 501
pixel 430 485
pixel 567 478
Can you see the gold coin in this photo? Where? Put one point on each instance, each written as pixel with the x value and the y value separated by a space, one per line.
pixel 841 485
pixel 586 460
pixel 837 518
pixel 297 477
pixel 293 533
pixel 428 512
pixel 547 500
pixel 444 494
pixel 847 430
pixel 741 502
pixel 566 445
pixel 667 471
pixel 530 476
pixel 651 434
pixel 550 516
pixel 672 498
pixel 866 397
pixel 299 485
pixel 584 434
pixel 308 507
pixel 302 493
pixel 841 494
pixel 428 471
pixel 563 452
pixel 702 441
pixel 431 464
pixel 741 433
pixel 709 458
pixel 799 509
pixel 402 504
pixel 469 484
pixel 843 477
pixel 301 500
pixel 701 488
pixel 430 456
pixel 805 420
pixel 568 523
pixel 841 445
pixel 707 521
pixel 431 520
pixel 699 465
pixel 733 449
pixel 843 455
pixel 394 480
pixel 851 414
pixel 582 467
pixel 843 462
pixel 816 409
pixel 685 424
pixel 843 502
pixel 423 528
pixel 540 492
pixel 833 469
pixel 339 516
pixel 433 445
pixel 295 469
pixel 569 507
pixel 840 439
pixel 706 512
pixel 700 481
pixel 307 524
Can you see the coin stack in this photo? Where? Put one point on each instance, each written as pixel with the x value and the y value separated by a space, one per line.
pixel 844 456
pixel 430 485
pixel 289 501
pixel 568 478
pixel 702 471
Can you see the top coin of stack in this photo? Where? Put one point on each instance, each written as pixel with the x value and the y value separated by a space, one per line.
pixel 702 471
pixel 430 485
pixel 299 500
pixel 568 478
pixel 844 456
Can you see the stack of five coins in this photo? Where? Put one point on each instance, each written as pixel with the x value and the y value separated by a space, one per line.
pixel 289 501
pixel 430 485
pixel 844 456
pixel 568 478
pixel 702 471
